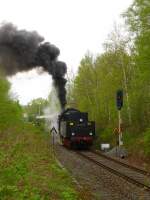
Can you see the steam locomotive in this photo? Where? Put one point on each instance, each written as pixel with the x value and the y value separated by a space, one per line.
pixel 75 130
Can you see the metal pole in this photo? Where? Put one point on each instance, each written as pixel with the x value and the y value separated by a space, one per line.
pixel 39 109
pixel 119 128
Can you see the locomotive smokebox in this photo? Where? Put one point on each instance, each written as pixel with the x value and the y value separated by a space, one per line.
pixel 75 129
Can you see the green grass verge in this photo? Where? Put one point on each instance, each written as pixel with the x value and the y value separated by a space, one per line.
pixel 28 169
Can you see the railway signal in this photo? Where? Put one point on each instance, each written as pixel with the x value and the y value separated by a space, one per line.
pixel 119 99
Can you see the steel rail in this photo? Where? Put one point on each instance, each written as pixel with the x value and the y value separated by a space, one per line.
pixel 144 172
pixel 129 179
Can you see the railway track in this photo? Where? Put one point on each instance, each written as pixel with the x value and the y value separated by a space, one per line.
pixel 144 172
pixel 133 175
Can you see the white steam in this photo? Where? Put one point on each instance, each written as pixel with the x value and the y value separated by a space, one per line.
pixel 52 111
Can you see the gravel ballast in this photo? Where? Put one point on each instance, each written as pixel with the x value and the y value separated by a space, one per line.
pixel 102 184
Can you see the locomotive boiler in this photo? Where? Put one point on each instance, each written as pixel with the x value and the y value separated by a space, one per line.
pixel 75 129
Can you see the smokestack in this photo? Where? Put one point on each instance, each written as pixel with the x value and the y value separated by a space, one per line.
pixel 21 50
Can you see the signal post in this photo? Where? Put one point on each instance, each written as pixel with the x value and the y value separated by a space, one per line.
pixel 119 103
pixel 53 132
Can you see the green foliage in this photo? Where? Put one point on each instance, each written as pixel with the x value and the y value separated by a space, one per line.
pixel 137 18
pixel 65 192
pixel 107 135
pixel 35 108
pixel 28 169
pixel 96 84
pixel 132 140
pixel 147 142
pixel 123 65
pixel 10 111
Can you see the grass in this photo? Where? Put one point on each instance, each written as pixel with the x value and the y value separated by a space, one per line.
pixel 28 169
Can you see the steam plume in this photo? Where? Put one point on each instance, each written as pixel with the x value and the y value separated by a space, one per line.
pixel 21 50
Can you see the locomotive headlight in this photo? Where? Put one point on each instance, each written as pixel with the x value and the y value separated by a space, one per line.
pixel 71 123
pixel 72 134
pixel 91 133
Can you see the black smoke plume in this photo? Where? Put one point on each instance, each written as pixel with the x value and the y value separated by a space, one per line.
pixel 21 50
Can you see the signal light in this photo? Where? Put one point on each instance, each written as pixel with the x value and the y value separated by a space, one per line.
pixel 119 99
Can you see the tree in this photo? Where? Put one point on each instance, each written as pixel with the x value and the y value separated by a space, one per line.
pixel 84 86
pixel 10 111
pixel 118 44
pixel 138 20
pixel 98 80
pixel 35 108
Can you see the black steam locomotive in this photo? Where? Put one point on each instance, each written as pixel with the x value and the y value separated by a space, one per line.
pixel 75 130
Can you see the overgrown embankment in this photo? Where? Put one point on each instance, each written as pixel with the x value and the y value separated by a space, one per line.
pixel 28 169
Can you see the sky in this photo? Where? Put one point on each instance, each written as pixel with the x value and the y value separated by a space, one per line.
pixel 74 26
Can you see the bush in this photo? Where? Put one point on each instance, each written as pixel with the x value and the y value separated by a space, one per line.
pixel 10 111
pixel 147 142
pixel 129 139
pixel 107 135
